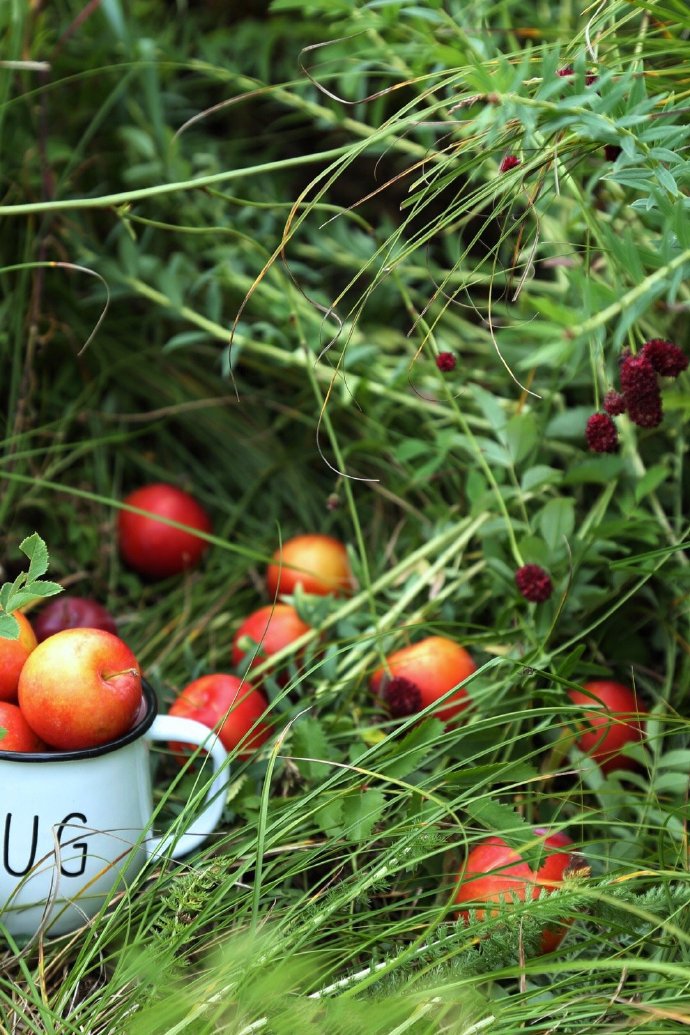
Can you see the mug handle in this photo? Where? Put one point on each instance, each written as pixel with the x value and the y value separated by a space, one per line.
pixel 174 727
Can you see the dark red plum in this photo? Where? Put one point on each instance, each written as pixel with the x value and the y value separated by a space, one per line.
pixel 72 613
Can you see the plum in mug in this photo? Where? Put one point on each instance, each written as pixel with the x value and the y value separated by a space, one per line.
pixel 75 825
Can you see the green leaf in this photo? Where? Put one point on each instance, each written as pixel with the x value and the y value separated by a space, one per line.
pixel 21 598
pixel 502 820
pixel 329 816
pixel 522 435
pixel 540 474
pixel 360 813
pixel 596 471
pixel 37 552
pixel 557 521
pixel 533 550
pixel 650 480
pixel 414 749
pixel 9 626
pixel 310 741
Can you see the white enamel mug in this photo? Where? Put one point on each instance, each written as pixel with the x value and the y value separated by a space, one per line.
pixel 75 825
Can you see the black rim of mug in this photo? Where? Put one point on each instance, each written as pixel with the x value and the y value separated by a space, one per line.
pixel 138 730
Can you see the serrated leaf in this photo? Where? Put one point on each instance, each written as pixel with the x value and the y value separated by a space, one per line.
pixel 412 751
pixel 310 741
pixel 503 821
pixel 9 626
pixel 360 813
pixel 44 589
pixel 37 552
pixel 329 817
pixel 21 598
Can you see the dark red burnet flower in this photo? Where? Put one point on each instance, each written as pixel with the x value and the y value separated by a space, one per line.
pixel 446 361
pixel 665 357
pixel 641 391
pixel 601 434
pixel 611 152
pixel 402 697
pixel 568 70
pixel 637 377
pixel 508 163
pixel 534 583
pixel 646 411
pixel 614 403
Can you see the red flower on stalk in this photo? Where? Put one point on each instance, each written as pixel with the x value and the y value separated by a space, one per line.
pixel 665 357
pixel 614 403
pixel 534 583
pixel 446 361
pixel 508 163
pixel 601 434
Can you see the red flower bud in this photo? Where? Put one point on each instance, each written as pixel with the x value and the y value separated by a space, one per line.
pixel 446 361
pixel 646 411
pixel 638 378
pixel 534 583
pixel 509 162
pixel 666 357
pixel 601 433
pixel 614 403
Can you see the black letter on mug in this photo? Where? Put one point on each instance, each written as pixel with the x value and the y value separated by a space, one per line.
pixel 73 844
pixel 6 848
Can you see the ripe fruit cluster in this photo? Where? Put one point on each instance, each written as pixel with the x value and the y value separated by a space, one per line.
pixel 230 704
pixel 79 688
pixel 640 394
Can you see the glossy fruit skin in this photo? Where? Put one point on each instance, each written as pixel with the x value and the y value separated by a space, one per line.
pixel 229 705
pixel 19 736
pixel 272 627
pixel 13 655
pixel 155 549
pixel 319 563
pixel 435 664
pixel 495 872
pixel 604 731
pixel 80 688
pixel 66 612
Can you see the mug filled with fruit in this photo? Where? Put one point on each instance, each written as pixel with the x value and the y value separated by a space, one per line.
pixel 76 721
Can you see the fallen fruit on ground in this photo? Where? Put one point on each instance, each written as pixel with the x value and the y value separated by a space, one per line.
pixel 68 612
pixel 18 734
pixel 230 706
pixel 13 655
pixel 265 632
pixel 496 873
pixel 153 548
pixel 317 563
pixel 80 688
pixel 610 720
pixel 416 676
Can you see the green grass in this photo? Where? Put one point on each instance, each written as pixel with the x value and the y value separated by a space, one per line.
pixel 281 272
